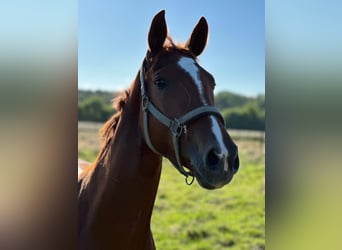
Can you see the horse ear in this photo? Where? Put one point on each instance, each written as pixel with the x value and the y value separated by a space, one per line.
pixel 198 38
pixel 157 33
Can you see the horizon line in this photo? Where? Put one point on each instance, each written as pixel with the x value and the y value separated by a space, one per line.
pixel 123 89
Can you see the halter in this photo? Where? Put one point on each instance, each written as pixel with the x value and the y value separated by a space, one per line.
pixel 177 126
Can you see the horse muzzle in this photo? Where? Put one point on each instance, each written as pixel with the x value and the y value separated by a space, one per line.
pixel 215 169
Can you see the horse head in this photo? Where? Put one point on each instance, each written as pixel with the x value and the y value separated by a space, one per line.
pixel 178 116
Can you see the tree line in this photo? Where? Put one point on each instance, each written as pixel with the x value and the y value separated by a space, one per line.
pixel 239 112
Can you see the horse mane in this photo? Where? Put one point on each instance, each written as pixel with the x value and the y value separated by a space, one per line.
pixel 106 133
pixel 108 129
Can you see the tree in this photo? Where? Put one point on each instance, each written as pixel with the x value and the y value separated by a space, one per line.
pixel 227 99
pixel 239 112
pixel 250 116
pixel 93 109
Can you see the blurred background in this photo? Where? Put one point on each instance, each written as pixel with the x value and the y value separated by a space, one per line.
pixel 38 124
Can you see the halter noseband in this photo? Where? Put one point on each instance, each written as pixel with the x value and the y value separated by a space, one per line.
pixel 176 125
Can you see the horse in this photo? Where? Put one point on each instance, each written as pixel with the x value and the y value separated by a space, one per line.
pixel 168 111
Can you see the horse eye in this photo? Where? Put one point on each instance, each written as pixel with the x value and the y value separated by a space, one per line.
pixel 160 83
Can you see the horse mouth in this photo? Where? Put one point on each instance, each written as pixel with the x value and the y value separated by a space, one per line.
pixel 209 181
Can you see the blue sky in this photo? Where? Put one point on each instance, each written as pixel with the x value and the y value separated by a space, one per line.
pixel 112 41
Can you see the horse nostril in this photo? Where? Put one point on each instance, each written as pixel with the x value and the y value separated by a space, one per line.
pixel 213 159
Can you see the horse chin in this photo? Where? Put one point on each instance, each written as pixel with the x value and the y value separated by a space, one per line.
pixel 205 184
pixel 206 179
pixel 210 182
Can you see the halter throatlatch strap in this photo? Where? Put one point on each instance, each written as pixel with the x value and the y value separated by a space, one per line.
pixel 177 126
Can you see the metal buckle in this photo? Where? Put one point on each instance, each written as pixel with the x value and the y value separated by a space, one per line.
pixel 176 128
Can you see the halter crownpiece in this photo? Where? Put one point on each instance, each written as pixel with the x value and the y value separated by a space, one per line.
pixel 177 126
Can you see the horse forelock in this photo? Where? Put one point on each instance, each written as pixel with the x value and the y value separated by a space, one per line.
pixel 170 47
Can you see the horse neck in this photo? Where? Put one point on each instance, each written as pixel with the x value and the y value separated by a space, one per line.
pixel 128 181
pixel 130 163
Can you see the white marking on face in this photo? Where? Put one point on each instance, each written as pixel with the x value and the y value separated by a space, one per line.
pixel 215 128
pixel 189 65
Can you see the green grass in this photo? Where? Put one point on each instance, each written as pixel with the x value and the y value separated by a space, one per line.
pixel 87 154
pixel 190 217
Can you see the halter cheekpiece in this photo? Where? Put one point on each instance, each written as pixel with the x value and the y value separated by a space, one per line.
pixel 177 126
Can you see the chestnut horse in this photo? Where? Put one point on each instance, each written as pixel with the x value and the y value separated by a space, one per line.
pixel 167 112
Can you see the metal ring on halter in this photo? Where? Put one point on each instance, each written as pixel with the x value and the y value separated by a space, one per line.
pixel 192 180
pixel 144 102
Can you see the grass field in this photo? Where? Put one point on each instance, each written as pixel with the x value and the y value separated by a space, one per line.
pixel 190 217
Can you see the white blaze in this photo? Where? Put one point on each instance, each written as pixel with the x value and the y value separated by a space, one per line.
pixel 189 66
pixel 215 128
